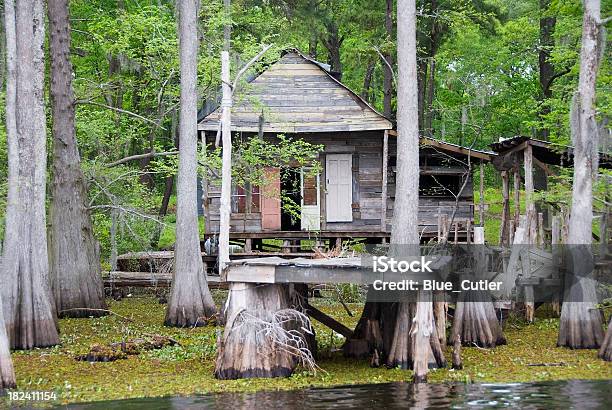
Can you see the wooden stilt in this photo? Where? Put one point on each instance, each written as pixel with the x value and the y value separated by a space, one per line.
pixel 531 223
pixel 517 197
pixel 541 230
pixel 603 234
pixel 286 246
pixel 439 226
pixel 556 240
pixel 503 230
pixel 529 303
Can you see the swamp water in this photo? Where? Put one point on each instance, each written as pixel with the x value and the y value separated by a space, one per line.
pixel 578 394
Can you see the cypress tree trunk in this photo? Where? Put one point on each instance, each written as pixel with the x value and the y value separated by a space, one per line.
pixel 29 310
pixel 7 374
pixel 475 321
pixel 546 67
pixel 225 207
pixel 74 261
pixel 580 324
pixel 190 298
pixel 408 331
pixel 248 348
pixel 606 347
pixel 387 73
pixel 415 336
pixel 11 119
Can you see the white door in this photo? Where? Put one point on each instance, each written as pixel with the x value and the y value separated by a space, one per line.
pixel 311 209
pixel 338 168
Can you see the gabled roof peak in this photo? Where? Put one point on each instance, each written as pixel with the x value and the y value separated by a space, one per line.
pixel 296 94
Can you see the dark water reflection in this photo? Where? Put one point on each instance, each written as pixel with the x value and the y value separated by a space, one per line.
pixel 578 394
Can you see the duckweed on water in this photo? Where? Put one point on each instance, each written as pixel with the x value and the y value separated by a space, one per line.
pixel 188 368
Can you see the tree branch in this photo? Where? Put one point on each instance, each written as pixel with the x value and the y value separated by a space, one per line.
pixel 141 156
pixel 133 114
pixel 387 64
pixel 248 65
pixel 129 211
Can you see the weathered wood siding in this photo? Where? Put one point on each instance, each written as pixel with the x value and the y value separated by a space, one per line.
pixel 366 148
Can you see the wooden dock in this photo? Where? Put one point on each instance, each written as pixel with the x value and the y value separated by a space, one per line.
pixel 318 271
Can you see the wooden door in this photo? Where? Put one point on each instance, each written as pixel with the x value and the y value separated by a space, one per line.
pixel 271 200
pixel 311 210
pixel 338 168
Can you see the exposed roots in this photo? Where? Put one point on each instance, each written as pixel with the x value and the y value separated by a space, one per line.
pixel 264 336
pixel 475 321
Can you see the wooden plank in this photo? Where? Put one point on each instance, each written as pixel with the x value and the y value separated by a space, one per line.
pixel 329 321
pixel 249 273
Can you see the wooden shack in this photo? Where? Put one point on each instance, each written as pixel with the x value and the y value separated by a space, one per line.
pixel 538 160
pixel 353 196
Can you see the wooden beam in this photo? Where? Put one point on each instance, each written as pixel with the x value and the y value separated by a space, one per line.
pixel 328 321
pixel 323 234
pixel 383 205
pixel 543 166
pixel 456 149
pixel 450 147
pixel 519 147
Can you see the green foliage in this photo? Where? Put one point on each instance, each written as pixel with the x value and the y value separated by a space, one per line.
pixel 189 369
pixel 126 79
pixel 199 347
pixel 252 156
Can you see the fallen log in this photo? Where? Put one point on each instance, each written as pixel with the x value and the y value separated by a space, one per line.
pixel 556 364
pixel 121 350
